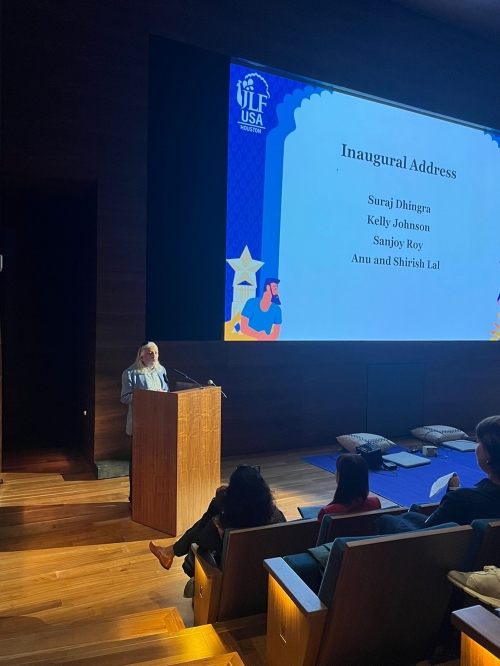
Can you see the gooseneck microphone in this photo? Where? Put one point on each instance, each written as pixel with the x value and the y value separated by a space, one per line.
pixel 211 383
pixel 183 374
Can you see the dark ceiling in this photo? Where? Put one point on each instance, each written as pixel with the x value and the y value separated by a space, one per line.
pixel 478 17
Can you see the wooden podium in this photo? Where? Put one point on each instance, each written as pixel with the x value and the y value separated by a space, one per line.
pixel 175 456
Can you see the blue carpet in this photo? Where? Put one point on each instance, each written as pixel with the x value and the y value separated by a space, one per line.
pixel 408 486
pixel 458 458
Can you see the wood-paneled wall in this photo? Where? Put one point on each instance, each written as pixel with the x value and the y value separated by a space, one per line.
pixel 75 91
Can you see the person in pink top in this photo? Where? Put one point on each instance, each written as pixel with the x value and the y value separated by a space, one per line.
pixel 352 490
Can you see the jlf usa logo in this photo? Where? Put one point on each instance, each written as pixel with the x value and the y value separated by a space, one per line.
pixel 252 94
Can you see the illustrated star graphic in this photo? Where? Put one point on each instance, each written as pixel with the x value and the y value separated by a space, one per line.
pixel 245 268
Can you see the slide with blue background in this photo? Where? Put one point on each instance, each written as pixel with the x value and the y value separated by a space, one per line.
pixel 352 219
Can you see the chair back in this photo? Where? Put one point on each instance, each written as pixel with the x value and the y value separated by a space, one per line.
pixel 390 596
pixel 485 545
pixel 352 524
pixel 244 579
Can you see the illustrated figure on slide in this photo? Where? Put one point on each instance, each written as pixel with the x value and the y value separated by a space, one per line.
pixel 261 316
pixel 495 333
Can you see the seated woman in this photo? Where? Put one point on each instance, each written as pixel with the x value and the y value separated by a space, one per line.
pixel 246 502
pixel 352 487
pixel 461 505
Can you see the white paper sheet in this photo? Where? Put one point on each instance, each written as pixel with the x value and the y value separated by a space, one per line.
pixel 440 483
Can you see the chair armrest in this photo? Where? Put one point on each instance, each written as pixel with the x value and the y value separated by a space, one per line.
pixel 424 509
pixel 308 512
pixel 293 586
pixel 295 618
pixel 207 587
pixel 477 625
pixel 207 560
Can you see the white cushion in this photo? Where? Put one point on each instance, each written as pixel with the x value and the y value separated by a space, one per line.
pixel 350 442
pixel 437 434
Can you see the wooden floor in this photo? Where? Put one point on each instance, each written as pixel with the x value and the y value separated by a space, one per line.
pixel 71 555
pixel 72 560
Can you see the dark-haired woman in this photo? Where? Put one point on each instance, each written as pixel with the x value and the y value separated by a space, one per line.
pixel 462 505
pixel 246 502
pixel 352 490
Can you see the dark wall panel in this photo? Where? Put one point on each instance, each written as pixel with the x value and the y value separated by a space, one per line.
pixel 395 401
pixel 297 395
pixel 268 388
pixel 464 391
pixel 187 165
pixel 47 301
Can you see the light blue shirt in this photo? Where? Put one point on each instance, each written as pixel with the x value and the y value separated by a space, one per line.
pixel 149 380
pixel 258 319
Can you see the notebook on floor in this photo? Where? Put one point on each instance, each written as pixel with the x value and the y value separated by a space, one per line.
pixel 463 445
pixel 404 459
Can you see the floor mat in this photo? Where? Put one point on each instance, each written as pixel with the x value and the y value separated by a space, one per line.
pixel 409 486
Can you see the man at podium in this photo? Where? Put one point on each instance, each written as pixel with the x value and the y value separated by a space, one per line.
pixel 146 373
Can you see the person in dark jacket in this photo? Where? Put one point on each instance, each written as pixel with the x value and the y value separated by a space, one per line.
pixel 461 505
pixel 246 502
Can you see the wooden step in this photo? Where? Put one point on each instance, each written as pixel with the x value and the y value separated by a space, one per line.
pixel 92 631
pixel 66 585
pixel 245 635
pixel 66 525
pixel 14 518
pixel 230 659
pixel 188 646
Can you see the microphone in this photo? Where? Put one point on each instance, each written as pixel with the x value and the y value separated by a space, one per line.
pixel 211 383
pixel 183 374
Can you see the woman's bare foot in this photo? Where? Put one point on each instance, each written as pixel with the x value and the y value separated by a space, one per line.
pixel 165 554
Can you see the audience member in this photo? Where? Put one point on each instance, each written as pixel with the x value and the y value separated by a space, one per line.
pixel 246 502
pixel 352 490
pixel 483 585
pixel 461 505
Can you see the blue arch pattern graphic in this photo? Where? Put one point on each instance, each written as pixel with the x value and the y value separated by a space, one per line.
pixel 494 137
pixel 255 165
